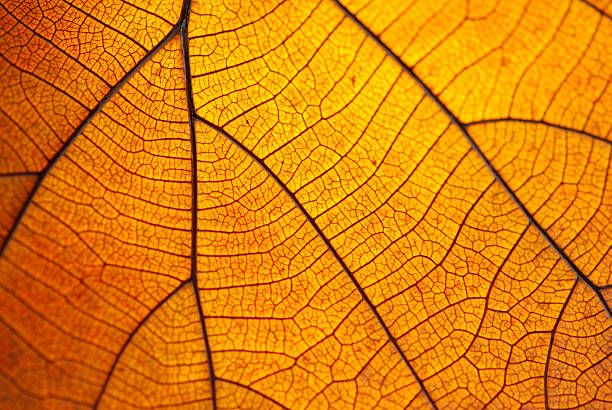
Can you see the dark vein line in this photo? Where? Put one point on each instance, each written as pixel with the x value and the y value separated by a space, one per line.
pixel 597 9
pixel 42 174
pixel 257 392
pixel 538 122
pixel 475 147
pixel 19 174
pixel 131 336
pixel 194 198
pixel 331 248
pixel 552 341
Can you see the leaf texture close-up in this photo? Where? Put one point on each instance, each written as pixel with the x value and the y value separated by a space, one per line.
pixel 299 204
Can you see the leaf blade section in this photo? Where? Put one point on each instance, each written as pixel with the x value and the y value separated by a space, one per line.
pixel 383 205
pixel 285 322
pixel 40 118
pixel 401 195
pixel 105 239
pixel 537 60
pixel 562 177
pixel 59 60
pixel 165 363
pixel 580 355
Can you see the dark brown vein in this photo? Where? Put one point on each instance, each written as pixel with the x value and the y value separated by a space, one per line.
pixel 539 122
pixel 597 9
pixel 194 198
pixel 18 174
pixel 552 341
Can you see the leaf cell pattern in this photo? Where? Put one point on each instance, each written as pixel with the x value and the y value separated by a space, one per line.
pixel 306 204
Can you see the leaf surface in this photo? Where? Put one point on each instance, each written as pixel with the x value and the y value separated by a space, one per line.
pixel 306 204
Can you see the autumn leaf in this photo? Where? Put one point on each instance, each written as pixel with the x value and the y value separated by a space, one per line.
pixel 292 204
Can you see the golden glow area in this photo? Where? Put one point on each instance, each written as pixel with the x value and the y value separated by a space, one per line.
pixel 300 204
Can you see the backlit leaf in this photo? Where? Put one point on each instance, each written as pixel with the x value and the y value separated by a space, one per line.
pixel 292 204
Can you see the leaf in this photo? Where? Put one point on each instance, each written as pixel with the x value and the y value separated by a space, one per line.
pixel 225 204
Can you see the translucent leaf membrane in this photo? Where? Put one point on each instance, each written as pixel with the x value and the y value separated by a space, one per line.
pixel 165 362
pixel 538 60
pixel 58 61
pixel 579 368
pixel 438 247
pixel 286 325
pixel 15 193
pixel 562 178
pixel 361 205
pixel 106 237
